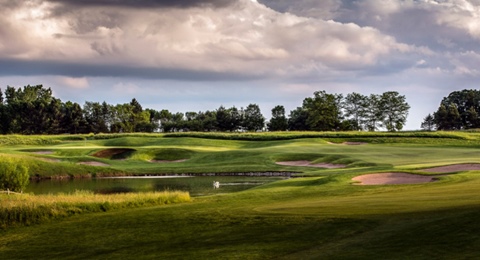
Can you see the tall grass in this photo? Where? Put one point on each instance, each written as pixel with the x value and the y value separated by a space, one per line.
pixel 26 209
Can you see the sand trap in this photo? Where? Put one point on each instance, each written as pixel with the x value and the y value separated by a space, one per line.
pixel 114 153
pixel 308 164
pixel 92 163
pixel 166 161
pixel 392 178
pixel 454 168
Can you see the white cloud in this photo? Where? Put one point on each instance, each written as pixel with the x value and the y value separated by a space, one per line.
pixel 245 37
pixel 78 83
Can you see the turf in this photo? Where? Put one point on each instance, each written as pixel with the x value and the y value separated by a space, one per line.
pixel 322 216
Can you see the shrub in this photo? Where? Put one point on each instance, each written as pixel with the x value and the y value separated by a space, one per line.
pixel 13 175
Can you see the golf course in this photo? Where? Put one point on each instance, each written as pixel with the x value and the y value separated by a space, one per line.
pixel 332 195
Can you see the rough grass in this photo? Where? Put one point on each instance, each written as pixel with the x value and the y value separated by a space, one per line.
pixel 25 209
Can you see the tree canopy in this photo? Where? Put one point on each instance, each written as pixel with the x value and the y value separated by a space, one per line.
pixel 459 110
pixel 34 110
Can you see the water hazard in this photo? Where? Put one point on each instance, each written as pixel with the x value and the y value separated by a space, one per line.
pixel 197 186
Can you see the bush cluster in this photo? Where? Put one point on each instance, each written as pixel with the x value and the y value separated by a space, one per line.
pixel 13 175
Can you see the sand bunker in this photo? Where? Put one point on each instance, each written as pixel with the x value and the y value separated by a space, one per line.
pixel 166 161
pixel 308 164
pixel 114 153
pixel 92 163
pixel 393 178
pixel 454 168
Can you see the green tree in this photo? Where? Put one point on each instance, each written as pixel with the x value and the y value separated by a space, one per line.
pixel 324 111
pixel 441 118
pixel 464 100
pixel 355 106
pixel 394 110
pixel 154 120
pixel 228 119
pixel 209 119
pixel 73 121
pixel 279 121
pixel 95 117
pixel 472 119
pixel 28 109
pixel 253 119
pixel 428 123
pixel 297 120
pixel 453 118
pixel 3 116
pixel 13 175
pixel 373 113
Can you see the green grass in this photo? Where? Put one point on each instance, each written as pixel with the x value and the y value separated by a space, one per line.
pixel 322 216
pixel 25 209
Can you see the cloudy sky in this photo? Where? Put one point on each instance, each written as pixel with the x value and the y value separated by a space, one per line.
pixel 191 55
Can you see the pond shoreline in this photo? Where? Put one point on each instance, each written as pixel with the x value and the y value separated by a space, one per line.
pixel 246 174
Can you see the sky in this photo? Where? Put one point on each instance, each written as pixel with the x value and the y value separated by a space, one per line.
pixel 196 55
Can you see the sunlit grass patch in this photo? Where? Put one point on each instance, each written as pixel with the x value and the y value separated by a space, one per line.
pixel 26 209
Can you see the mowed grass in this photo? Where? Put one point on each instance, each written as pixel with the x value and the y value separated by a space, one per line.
pixel 323 216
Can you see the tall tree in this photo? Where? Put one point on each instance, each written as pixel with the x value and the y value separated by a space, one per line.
pixel 73 121
pixel 428 123
pixel 253 119
pixel 441 118
pixel 3 115
pixel 279 121
pixel 355 106
pixel 453 117
pixel 373 113
pixel 464 101
pixel 297 120
pixel 28 109
pixel 324 111
pixel 394 110
pixel 228 119
pixel 472 119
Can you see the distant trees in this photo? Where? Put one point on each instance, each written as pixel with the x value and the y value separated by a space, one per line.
pixel 252 119
pixel 428 123
pixel 323 111
pixel 393 110
pixel 332 112
pixel 279 121
pixel 34 110
pixel 459 110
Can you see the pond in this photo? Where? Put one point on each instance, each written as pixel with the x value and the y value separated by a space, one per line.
pixel 197 186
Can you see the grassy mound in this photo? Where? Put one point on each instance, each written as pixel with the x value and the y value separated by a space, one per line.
pixel 172 154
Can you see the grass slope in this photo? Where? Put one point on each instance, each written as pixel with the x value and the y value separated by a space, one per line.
pixel 322 216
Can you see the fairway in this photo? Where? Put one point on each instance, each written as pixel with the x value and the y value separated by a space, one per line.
pixel 322 212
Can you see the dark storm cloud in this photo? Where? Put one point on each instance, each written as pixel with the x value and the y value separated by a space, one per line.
pixel 70 69
pixel 147 3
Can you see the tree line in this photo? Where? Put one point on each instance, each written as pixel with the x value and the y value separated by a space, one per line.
pixel 457 111
pixel 34 110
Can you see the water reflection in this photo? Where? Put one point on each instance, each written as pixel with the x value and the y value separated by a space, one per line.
pixel 197 186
